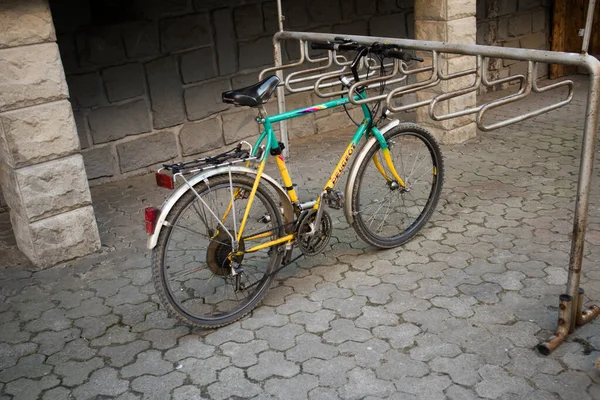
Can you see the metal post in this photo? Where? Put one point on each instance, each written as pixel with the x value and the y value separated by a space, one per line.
pixel 588 26
pixel 583 193
pixel 283 125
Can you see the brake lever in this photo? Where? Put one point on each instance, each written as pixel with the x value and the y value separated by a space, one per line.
pixel 353 67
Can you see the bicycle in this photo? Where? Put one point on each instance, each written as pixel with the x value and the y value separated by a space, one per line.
pixel 219 240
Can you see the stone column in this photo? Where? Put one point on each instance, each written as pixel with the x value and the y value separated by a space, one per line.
pixel 41 169
pixel 450 21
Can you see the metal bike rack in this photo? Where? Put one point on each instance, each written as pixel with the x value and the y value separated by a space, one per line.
pixel 571 313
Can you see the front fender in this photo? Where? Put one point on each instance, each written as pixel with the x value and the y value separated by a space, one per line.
pixel 354 170
pixel 288 209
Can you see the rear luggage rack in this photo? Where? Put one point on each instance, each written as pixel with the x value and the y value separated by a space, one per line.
pixel 231 157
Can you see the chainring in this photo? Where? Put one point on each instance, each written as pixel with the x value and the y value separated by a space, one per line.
pixel 313 244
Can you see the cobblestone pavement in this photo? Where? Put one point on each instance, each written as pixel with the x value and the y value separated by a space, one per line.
pixel 454 314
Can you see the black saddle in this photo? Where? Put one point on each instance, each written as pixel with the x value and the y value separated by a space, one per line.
pixel 252 96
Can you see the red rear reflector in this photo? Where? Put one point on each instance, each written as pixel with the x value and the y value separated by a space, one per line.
pixel 151 214
pixel 164 180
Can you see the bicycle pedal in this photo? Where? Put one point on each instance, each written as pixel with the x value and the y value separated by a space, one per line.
pixel 334 199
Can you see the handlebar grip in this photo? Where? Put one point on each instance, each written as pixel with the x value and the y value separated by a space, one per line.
pixel 400 55
pixel 321 46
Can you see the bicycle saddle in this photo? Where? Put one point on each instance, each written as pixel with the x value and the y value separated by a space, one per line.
pixel 252 96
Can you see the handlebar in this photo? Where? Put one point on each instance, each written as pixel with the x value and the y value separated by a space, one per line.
pixel 385 50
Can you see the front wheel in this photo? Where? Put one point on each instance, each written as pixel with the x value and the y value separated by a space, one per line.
pixel 192 261
pixel 386 214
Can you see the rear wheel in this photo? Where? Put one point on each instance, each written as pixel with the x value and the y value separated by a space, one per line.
pixel 385 214
pixel 192 261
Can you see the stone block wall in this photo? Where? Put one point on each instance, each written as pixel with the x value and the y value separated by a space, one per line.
pixel 41 170
pixel 145 77
pixel 514 23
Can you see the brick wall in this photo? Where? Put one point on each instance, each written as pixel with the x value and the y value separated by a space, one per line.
pixel 145 77
pixel 514 23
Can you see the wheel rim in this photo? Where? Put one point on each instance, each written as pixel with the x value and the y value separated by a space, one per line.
pixel 387 210
pixel 195 241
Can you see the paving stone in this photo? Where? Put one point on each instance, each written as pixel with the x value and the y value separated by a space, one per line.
pixel 323 394
pixel 399 336
pixel 105 382
pixel 59 393
pixel 188 392
pixel 379 294
pixel 158 387
pixel 310 346
pixel 108 287
pixel 314 322
pixel 293 388
pixel 397 365
pixel 328 290
pixel 457 306
pixel 343 329
pixel 521 334
pixel 51 342
pixel 30 389
pixel 526 363
pixel 432 320
pixel 11 333
pixel 496 382
pixel 191 345
pixel 456 392
pixel 346 308
pixel 147 363
pixel 375 316
pixel 115 335
pixel 78 350
pixel 403 301
pixel 203 372
pixel 264 316
pixel 462 369
pixel 429 387
pixel 123 355
pixel 75 373
pixel 89 308
pixel 363 382
pixel 244 355
pixel 485 292
pixel 330 273
pixel 165 339
pixel 295 303
pixel 94 327
pixel 230 333
pixel 132 314
pixel 430 346
pixel 282 338
pixel 233 383
pixel 68 300
pixel 30 366
pixel 367 354
pixel 10 354
pixel 272 364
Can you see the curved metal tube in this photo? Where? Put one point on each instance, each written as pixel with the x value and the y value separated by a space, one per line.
pixel 286 66
pixel 457 93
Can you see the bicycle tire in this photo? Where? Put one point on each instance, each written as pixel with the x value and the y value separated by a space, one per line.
pixel 176 296
pixel 369 177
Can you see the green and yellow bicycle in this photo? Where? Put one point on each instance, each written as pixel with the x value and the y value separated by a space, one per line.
pixel 219 240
